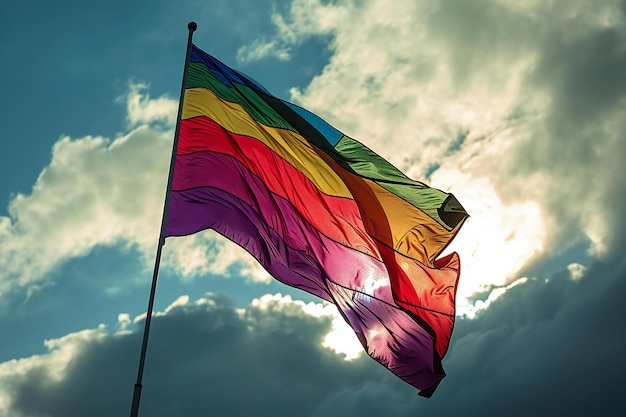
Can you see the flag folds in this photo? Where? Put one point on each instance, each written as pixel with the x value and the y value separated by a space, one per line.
pixel 321 212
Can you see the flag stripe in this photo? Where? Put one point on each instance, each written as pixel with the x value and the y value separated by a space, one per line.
pixel 386 215
pixel 370 165
pixel 411 232
pixel 349 153
pixel 337 218
pixel 429 293
pixel 387 174
pixel 224 73
pixel 325 172
pixel 321 212
pixel 287 144
pixel 228 215
pixel 348 267
pixel 200 76
pixel 292 227
pixel 264 155
pixel 331 134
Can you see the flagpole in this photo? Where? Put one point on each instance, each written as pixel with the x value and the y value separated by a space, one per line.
pixel 134 411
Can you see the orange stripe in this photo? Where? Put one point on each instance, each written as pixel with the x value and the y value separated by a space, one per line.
pixel 335 217
pixel 390 219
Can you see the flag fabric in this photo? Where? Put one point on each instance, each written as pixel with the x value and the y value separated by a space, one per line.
pixel 320 212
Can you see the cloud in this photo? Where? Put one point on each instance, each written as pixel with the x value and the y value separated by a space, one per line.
pixel 340 338
pixel 100 191
pixel 303 19
pixel 496 241
pixel 271 352
pixel 141 109
pixel 515 108
pixel 507 106
pixel 542 342
pixel 546 346
pixel 54 365
pixel 208 252
pixel 260 49
pixel 577 146
pixel 94 192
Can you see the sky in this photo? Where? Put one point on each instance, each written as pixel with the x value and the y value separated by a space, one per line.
pixel 516 107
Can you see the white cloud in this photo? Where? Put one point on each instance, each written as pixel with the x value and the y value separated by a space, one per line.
pixel 182 300
pixel 100 191
pixel 123 322
pixel 94 192
pixel 260 49
pixel 576 270
pixel 66 350
pixel 208 252
pixel 54 363
pixel 141 109
pixel 310 16
pixel 489 92
pixel 341 337
pixel 496 241
pixel 495 292
pixel 273 341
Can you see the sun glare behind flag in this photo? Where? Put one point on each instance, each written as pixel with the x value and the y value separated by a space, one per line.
pixel 320 212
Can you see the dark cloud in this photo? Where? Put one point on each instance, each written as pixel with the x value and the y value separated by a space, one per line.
pixel 544 348
pixel 201 359
pixel 568 58
pixel 567 121
pixel 479 37
pixel 575 144
pixel 585 72
pixel 549 348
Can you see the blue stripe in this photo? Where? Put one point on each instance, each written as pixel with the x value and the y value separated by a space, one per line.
pixel 331 134
pixel 224 73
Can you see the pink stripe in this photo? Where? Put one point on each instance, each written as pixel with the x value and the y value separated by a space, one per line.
pixel 358 284
pixel 338 218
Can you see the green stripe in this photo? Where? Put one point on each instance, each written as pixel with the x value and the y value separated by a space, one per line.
pixel 426 199
pixel 200 76
pixel 349 153
pixel 366 163
pixel 369 164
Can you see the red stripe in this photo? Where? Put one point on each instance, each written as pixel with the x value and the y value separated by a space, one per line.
pixel 337 218
pixel 432 289
pixel 412 283
pixel 305 259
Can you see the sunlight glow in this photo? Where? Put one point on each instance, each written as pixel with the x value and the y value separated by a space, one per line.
pixel 495 242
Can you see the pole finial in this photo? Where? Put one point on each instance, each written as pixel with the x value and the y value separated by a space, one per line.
pixel 192 26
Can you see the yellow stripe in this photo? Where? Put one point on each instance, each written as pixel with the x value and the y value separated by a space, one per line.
pixel 290 146
pixel 388 217
pixel 414 233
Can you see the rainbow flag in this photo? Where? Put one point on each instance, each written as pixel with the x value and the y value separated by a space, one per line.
pixel 321 212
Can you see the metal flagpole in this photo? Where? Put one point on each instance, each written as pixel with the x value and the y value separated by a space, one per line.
pixel 134 411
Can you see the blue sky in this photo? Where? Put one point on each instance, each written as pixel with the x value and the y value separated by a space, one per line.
pixel 515 108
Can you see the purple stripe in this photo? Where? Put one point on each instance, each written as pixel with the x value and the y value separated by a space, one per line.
pixel 318 265
pixel 336 217
pixel 285 219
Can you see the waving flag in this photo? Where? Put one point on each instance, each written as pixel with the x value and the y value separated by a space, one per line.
pixel 321 212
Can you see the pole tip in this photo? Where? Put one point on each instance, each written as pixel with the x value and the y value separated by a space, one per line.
pixel 192 26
